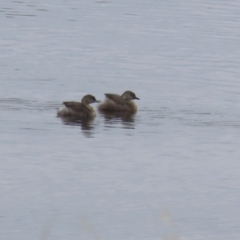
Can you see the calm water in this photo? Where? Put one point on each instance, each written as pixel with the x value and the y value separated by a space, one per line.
pixel 169 172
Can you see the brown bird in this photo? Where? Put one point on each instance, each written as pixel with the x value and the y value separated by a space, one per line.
pixel 78 109
pixel 117 103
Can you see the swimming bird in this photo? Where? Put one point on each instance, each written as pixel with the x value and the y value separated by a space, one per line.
pixel 78 109
pixel 117 103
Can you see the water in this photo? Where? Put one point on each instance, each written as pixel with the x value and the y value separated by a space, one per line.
pixel 169 172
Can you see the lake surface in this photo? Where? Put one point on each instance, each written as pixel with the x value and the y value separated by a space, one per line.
pixel 169 172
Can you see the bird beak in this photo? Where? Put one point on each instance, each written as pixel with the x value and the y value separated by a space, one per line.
pixel 97 101
pixel 137 98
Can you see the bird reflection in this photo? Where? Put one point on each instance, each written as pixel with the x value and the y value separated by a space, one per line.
pixel 112 118
pixel 85 123
pixel 126 118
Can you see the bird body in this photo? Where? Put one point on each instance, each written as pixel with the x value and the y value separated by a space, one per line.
pixel 117 103
pixel 78 109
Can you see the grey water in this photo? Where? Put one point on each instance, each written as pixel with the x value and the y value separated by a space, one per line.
pixel 169 172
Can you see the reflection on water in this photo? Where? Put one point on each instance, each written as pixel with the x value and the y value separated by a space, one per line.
pixel 127 119
pixel 111 120
pixel 86 124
